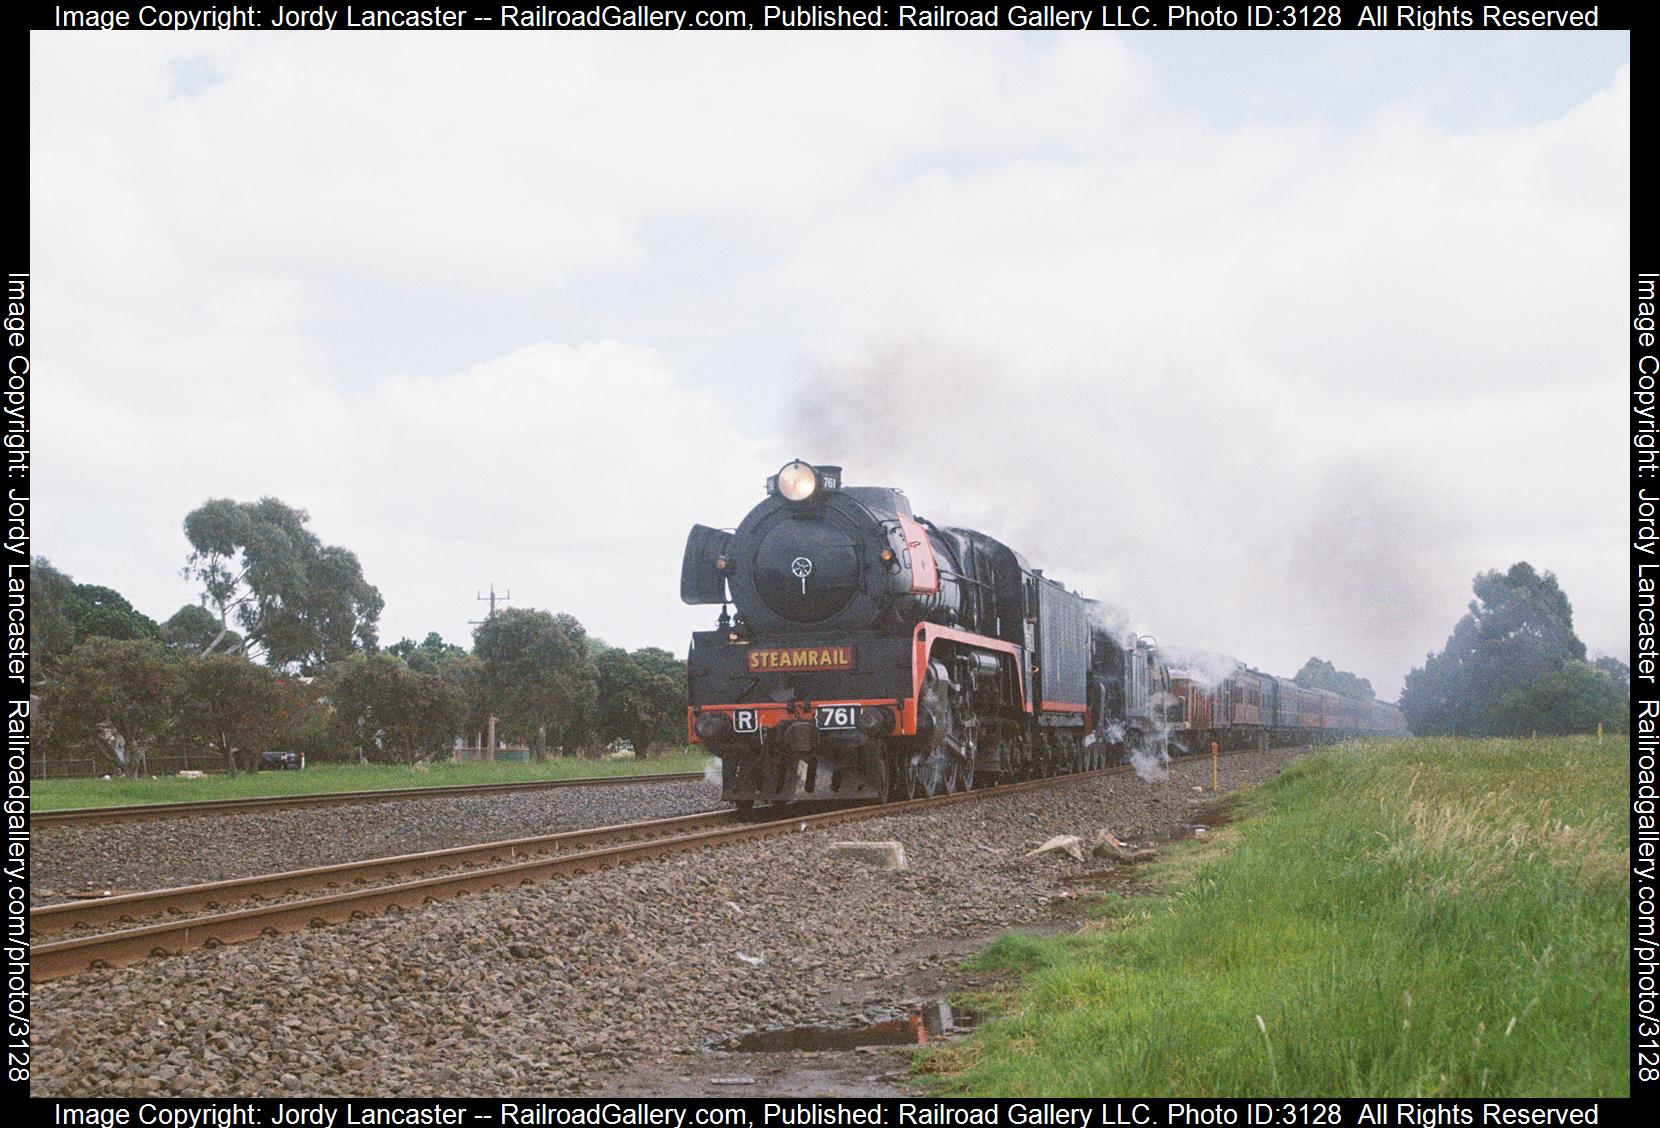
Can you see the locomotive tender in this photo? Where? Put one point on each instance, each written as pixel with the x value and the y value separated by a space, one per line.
pixel 875 655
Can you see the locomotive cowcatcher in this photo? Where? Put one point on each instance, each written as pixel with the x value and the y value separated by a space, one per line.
pixel 873 654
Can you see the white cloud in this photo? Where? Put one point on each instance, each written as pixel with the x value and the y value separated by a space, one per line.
pixel 1278 390
pixel 1292 381
pixel 568 474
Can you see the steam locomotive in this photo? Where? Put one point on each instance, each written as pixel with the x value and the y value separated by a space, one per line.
pixel 875 655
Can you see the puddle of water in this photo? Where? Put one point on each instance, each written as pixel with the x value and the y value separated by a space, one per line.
pixel 936 1019
pixel 1200 822
pixel 1096 877
pixel 1213 815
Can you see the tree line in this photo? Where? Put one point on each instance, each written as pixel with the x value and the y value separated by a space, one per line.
pixel 1317 673
pixel 282 653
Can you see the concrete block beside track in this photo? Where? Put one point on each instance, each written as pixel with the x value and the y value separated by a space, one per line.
pixel 883 855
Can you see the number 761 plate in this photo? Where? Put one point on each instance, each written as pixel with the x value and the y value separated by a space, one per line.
pixel 832 718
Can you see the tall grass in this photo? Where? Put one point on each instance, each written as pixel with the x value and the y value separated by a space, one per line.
pixel 56 794
pixel 1432 917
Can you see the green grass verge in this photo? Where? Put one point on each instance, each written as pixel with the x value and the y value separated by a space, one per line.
pixel 1422 918
pixel 320 779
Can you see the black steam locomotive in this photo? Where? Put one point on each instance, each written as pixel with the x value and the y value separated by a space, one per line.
pixel 876 655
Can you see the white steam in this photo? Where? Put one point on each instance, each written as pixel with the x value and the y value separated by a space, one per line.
pixel 1206 667
pixel 1113 621
pixel 1151 757
pixel 1154 485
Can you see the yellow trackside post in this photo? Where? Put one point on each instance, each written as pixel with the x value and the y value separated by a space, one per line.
pixel 1213 752
pixel 1599 732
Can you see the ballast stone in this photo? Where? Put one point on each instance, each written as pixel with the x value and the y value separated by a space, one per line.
pixel 884 855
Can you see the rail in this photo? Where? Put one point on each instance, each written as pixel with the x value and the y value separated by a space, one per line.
pixel 140 811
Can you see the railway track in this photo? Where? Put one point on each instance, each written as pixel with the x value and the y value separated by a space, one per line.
pixel 134 909
pixel 527 860
pixel 141 811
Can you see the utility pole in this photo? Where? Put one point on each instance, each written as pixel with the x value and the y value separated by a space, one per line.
pixel 491 599
pixel 490 737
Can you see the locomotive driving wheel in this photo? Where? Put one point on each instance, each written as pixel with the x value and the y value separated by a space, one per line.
pixel 931 770
pixel 892 787
pixel 877 766
pixel 966 752
pixel 928 773
pixel 1005 751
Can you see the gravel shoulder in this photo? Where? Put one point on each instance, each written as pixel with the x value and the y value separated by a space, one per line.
pixel 134 856
pixel 613 982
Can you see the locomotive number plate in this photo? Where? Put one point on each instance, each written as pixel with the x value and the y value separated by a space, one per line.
pixel 834 718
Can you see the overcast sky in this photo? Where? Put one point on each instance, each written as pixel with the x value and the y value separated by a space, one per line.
pixel 1272 340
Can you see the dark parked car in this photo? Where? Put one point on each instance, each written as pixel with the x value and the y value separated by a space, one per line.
pixel 281 761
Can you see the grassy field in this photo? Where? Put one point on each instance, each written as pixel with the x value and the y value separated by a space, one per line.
pixel 56 794
pixel 1431 917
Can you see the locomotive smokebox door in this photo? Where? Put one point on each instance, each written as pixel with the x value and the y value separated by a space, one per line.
pixel 704 567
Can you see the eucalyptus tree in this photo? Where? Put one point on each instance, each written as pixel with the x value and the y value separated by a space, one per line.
pixel 298 602
pixel 1507 658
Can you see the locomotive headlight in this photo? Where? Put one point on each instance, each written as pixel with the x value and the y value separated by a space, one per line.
pixel 874 720
pixel 712 725
pixel 797 481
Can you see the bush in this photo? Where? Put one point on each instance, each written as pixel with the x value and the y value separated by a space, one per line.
pixel 235 707
pixel 390 713
pixel 112 698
